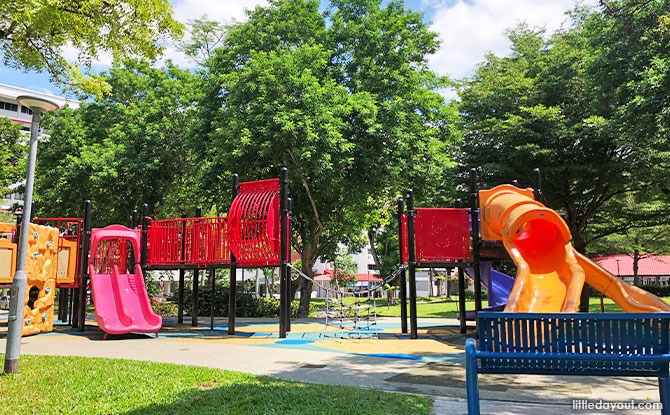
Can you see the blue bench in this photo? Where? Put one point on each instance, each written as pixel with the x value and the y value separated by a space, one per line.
pixel 608 344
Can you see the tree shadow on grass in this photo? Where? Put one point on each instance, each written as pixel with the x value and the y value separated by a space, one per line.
pixel 264 395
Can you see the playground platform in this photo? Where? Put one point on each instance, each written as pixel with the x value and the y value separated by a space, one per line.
pixel 383 359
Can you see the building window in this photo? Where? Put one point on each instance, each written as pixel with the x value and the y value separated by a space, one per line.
pixel 26 110
pixel 9 106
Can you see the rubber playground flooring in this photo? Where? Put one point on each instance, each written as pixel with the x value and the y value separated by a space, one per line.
pixel 439 340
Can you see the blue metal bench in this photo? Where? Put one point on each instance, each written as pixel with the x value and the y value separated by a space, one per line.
pixel 608 344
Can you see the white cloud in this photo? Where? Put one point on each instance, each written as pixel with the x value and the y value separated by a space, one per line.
pixel 226 10
pixel 470 28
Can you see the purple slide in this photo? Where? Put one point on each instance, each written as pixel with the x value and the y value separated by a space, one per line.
pixel 499 286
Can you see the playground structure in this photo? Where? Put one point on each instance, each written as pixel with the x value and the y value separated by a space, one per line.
pixel 550 272
pixel 254 234
pixel 50 264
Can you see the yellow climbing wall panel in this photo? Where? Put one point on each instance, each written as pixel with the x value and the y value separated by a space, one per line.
pixel 41 268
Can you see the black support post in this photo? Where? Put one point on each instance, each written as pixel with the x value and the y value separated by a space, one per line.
pixel 289 204
pixel 134 220
pixel 284 279
pixel 144 238
pixel 80 301
pixel 232 282
pixel 461 289
pixel 537 184
pixel 212 277
pixel 403 273
pixel 182 273
pixel 474 224
pixel 411 263
pixel 196 284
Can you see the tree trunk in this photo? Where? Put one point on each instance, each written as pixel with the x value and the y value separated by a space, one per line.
pixel 580 246
pixel 636 268
pixel 307 257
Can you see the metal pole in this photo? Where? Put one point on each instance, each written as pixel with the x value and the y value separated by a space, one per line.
pixel 289 204
pixel 212 276
pixel 411 259
pixel 284 287
pixel 144 238
pixel 232 282
pixel 537 184
pixel 461 289
pixel 15 319
pixel 134 220
pixel 196 278
pixel 182 273
pixel 403 273
pixel 474 224
pixel 83 266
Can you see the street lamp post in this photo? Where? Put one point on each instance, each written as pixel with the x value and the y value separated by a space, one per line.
pixel 15 326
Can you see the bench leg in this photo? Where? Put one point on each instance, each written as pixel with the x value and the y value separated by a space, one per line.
pixel 664 392
pixel 471 383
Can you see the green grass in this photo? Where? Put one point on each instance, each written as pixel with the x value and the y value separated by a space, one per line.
pixel 76 385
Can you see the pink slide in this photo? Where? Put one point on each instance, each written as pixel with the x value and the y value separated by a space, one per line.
pixel 120 297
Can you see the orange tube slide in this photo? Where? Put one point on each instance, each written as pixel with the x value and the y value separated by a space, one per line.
pixel 550 273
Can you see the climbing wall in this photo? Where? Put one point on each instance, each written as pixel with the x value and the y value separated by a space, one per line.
pixel 41 268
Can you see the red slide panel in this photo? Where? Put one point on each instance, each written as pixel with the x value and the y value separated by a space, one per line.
pixel 253 224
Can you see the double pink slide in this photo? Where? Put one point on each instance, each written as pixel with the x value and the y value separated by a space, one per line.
pixel 120 296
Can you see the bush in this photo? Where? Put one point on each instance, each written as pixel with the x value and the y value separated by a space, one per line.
pixel 470 295
pixel 164 308
pixel 247 304
pixel 657 290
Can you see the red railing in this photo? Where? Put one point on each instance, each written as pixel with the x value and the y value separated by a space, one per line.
pixel 250 231
pixel 253 224
pixel 188 241
pixel 112 252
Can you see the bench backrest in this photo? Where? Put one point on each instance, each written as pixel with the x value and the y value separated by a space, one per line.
pixel 548 341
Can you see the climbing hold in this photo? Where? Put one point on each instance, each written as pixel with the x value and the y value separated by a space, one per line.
pixel 36 235
pixel 27 322
pixel 47 290
pixel 49 244
pixel 36 254
pixel 45 316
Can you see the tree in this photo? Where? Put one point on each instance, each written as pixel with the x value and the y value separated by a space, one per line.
pixel 343 99
pixel 33 35
pixel 128 148
pixel 12 154
pixel 568 105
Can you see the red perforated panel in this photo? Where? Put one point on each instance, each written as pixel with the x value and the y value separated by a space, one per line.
pixel 442 235
pixel 188 241
pixel 253 230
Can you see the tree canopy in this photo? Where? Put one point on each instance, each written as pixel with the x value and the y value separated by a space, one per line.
pixel 344 99
pixel 35 34
pixel 129 148
pixel 585 105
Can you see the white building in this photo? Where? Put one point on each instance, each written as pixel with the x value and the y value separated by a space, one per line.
pixel 10 108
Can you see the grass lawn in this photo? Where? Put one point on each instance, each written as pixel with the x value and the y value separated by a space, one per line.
pixel 76 385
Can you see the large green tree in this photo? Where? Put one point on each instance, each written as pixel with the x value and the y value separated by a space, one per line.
pixel 344 99
pixel 34 33
pixel 128 148
pixel 574 105
pixel 12 154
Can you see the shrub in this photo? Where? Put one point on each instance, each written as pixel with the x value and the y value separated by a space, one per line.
pixel 164 308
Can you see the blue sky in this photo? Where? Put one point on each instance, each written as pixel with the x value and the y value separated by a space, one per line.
pixel 467 29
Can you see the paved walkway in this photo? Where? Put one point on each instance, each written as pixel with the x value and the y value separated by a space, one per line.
pixel 382 359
